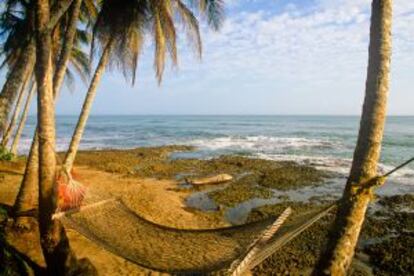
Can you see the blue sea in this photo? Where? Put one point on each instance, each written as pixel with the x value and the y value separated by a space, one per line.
pixel 322 141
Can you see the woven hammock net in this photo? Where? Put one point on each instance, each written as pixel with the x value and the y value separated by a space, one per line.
pixel 119 230
pixel 112 225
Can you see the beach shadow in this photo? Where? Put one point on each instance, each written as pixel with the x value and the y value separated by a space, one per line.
pixel 22 262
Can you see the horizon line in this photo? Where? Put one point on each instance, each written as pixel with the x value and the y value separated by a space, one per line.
pixel 229 114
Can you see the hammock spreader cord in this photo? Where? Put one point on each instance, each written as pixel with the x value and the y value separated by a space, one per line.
pixel 398 167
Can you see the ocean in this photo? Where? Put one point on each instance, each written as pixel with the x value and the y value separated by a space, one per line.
pixel 322 141
pixel 325 142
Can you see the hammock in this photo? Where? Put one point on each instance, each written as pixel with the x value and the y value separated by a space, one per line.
pixel 114 227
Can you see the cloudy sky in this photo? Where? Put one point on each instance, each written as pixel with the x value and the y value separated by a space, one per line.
pixel 270 57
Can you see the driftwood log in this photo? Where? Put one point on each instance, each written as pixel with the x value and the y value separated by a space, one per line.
pixel 217 179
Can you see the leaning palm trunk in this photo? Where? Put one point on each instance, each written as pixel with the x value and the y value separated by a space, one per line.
pixel 26 199
pixel 358 192
pixel 24 65
pixel 9 130
pixel 86 109
pixel 67 47
pixel 23 118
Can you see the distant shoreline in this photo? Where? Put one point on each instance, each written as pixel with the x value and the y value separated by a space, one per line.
pixel 222 115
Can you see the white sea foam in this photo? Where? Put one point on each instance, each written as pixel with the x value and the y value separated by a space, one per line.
pixel 265 143
pixel 338 165
pixel 62 144
pixel 320 153
pixel 402 180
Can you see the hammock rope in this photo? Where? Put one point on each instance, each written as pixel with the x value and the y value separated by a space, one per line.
pixel 118 229
pixel 240 267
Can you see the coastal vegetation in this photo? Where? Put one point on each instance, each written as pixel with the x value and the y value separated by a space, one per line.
pixel 43 44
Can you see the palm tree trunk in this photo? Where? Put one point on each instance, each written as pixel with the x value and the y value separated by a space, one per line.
pixel 55 245
pixel 7 134
pixel 58 10
pixel 353 205
pixel 26 200
pixel 67 47
pixel 86 109
pixel 46 132
pixel 23 118
pixel 15 78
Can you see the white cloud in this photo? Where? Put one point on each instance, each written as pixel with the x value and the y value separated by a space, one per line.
pixel 292 59
pixel 323 48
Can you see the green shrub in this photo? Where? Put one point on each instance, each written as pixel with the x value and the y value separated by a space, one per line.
pixel 5 154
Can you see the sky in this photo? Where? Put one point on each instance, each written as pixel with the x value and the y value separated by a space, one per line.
pixel 270 57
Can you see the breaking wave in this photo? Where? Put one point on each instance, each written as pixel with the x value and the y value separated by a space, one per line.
pixel 265 143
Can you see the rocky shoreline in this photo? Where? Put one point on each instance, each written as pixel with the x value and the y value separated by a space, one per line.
pixel 387 240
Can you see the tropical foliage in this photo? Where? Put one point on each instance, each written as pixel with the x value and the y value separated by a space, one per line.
pixel 61 31
pixel 5 154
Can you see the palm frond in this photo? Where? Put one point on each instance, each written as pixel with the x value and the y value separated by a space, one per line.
pixel 89 12
pixel 16 27
pixel 165 37
pixel 125 22
pixel 69 80
pixel 160 48
pixel 169 32
pixel 134 46
pixel 121 22
pixel 79 61
pixel 213 10
pixel 191 25
pixel 83 37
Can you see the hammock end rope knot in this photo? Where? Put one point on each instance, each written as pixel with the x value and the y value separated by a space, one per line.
pixel 369 186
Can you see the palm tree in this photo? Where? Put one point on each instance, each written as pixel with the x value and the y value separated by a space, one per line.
pixel 55 245
pixel 120 29
pixel 19 49
pixel 27 197
pixel 362 180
